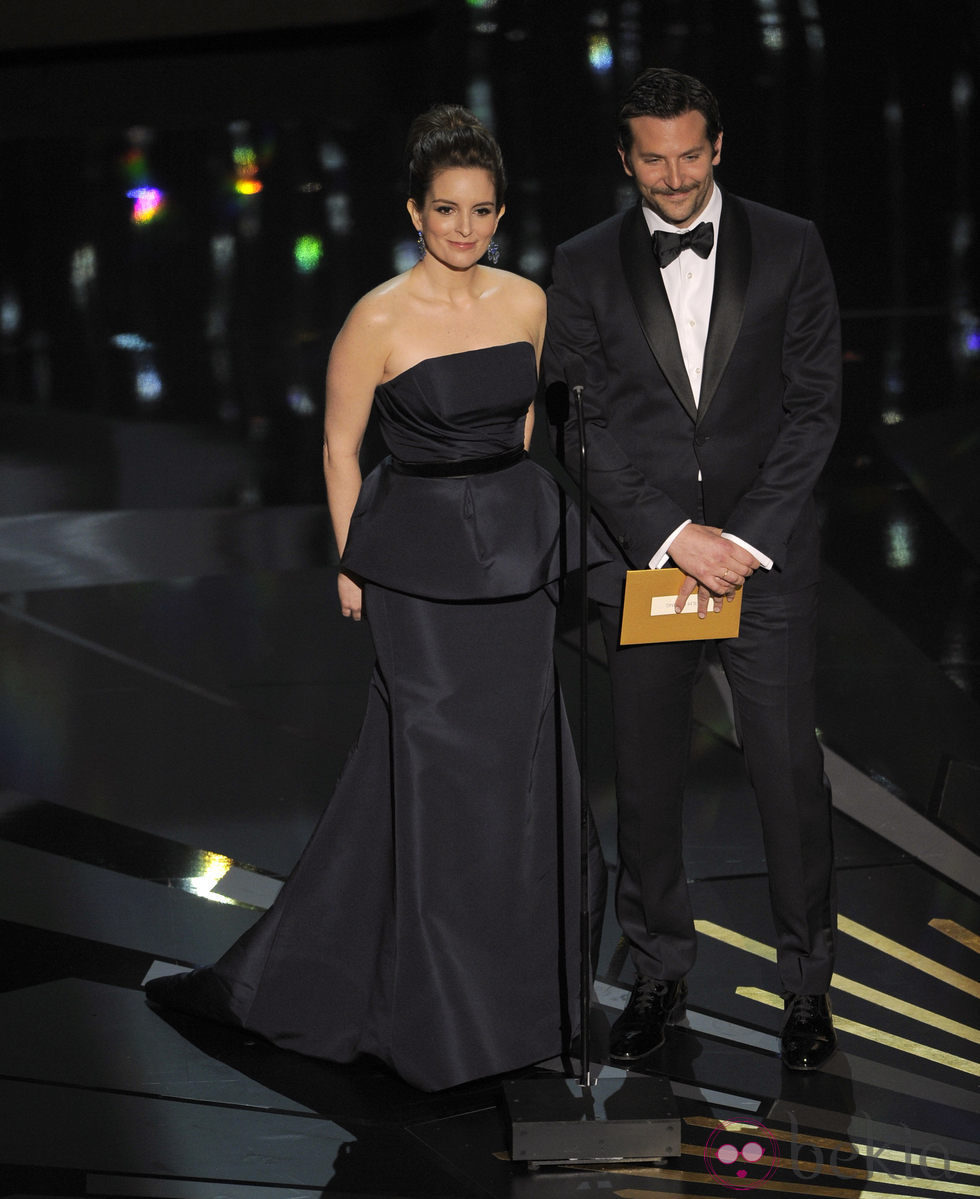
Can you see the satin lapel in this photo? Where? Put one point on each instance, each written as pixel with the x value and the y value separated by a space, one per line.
pixel 728 299
pixel 652 306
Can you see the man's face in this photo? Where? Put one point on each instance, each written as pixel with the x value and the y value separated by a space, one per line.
pixel 671 163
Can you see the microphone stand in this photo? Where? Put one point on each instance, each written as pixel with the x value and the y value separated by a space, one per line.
pixel 558 413
pixel 585 915
pixel 617 1119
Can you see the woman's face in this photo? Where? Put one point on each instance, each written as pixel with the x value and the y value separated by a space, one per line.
pixel 459 216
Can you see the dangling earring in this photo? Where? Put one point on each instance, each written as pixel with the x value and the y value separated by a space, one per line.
pixel 421 244
pixel 493 252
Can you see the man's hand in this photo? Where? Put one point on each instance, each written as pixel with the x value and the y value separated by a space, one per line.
pixel 720 566
pixel 705 597
pixel 350 596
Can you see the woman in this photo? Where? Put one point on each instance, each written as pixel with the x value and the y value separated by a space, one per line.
pixel 427 922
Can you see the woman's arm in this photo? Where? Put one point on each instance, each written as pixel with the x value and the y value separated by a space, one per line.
pixel 355 368
pixel 533 305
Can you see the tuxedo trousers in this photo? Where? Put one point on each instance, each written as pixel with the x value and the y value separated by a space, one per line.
pixel 770 668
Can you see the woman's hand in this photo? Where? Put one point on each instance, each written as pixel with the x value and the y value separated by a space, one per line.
pixel 351 596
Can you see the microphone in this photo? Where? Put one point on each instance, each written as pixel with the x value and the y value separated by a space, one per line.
pixel 575 377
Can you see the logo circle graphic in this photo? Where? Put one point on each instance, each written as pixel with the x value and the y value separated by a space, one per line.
pixel 741 1154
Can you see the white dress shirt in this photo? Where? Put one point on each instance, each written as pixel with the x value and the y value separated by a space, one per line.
pixel 690 283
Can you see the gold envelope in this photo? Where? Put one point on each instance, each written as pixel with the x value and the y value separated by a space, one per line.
pixel 648 611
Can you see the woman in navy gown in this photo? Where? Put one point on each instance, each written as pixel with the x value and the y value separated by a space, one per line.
pixel 432 918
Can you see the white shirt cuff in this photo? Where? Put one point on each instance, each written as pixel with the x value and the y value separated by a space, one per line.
pixel 661 556
pixel 765 562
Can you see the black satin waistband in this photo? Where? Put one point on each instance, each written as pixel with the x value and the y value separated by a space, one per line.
pixel 462 467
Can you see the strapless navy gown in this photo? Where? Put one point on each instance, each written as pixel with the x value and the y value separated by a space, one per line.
pixel 432 918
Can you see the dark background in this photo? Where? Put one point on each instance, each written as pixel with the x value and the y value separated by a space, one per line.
pixel 835 110
pixel 175 366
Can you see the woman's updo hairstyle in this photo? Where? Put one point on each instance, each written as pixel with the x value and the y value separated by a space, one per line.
pixel 450 136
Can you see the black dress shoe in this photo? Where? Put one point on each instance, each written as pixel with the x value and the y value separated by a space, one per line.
pixel 808 1037
pixel 642 1027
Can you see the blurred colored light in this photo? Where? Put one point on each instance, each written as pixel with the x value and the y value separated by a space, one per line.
pixel 405 254
pixel 222 252
pixel 338 213
pixel 600 52
pixel 962 92
pixel 212 868
pixel 299 401
pixel 895 383
pixel 533 261
pixel 308 252
pixel 900 552
pixel 130 341
pixel 10 314
pixel 971 341
pixel 83 267
pixel 135 164
pixel 147 204
pixel 149 385
pixel 332 156
pixel 245 159
pixel 481 3
pixel 479 99
pixel 247 182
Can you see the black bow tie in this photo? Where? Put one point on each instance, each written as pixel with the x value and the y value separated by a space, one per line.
pixel 667 246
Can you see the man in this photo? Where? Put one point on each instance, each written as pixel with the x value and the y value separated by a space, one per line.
pixel 711 372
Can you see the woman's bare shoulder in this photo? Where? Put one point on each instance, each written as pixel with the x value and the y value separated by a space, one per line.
pixel 520 289
pixel 381 306
pixel 524 304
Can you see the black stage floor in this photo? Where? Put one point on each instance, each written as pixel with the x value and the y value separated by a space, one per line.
pixel 177 691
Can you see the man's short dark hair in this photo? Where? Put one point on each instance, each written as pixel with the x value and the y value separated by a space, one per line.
pixel 661 92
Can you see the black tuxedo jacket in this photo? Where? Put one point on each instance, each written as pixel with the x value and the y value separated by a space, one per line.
pixel 770 396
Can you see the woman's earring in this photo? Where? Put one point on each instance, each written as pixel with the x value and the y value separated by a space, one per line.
pixel 493 252
pixel 421 244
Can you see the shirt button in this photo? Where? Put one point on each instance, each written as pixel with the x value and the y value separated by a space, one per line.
pixel 690 274
pixel 692 323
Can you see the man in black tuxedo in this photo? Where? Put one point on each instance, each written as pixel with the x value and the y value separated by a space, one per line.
pixel 706 333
